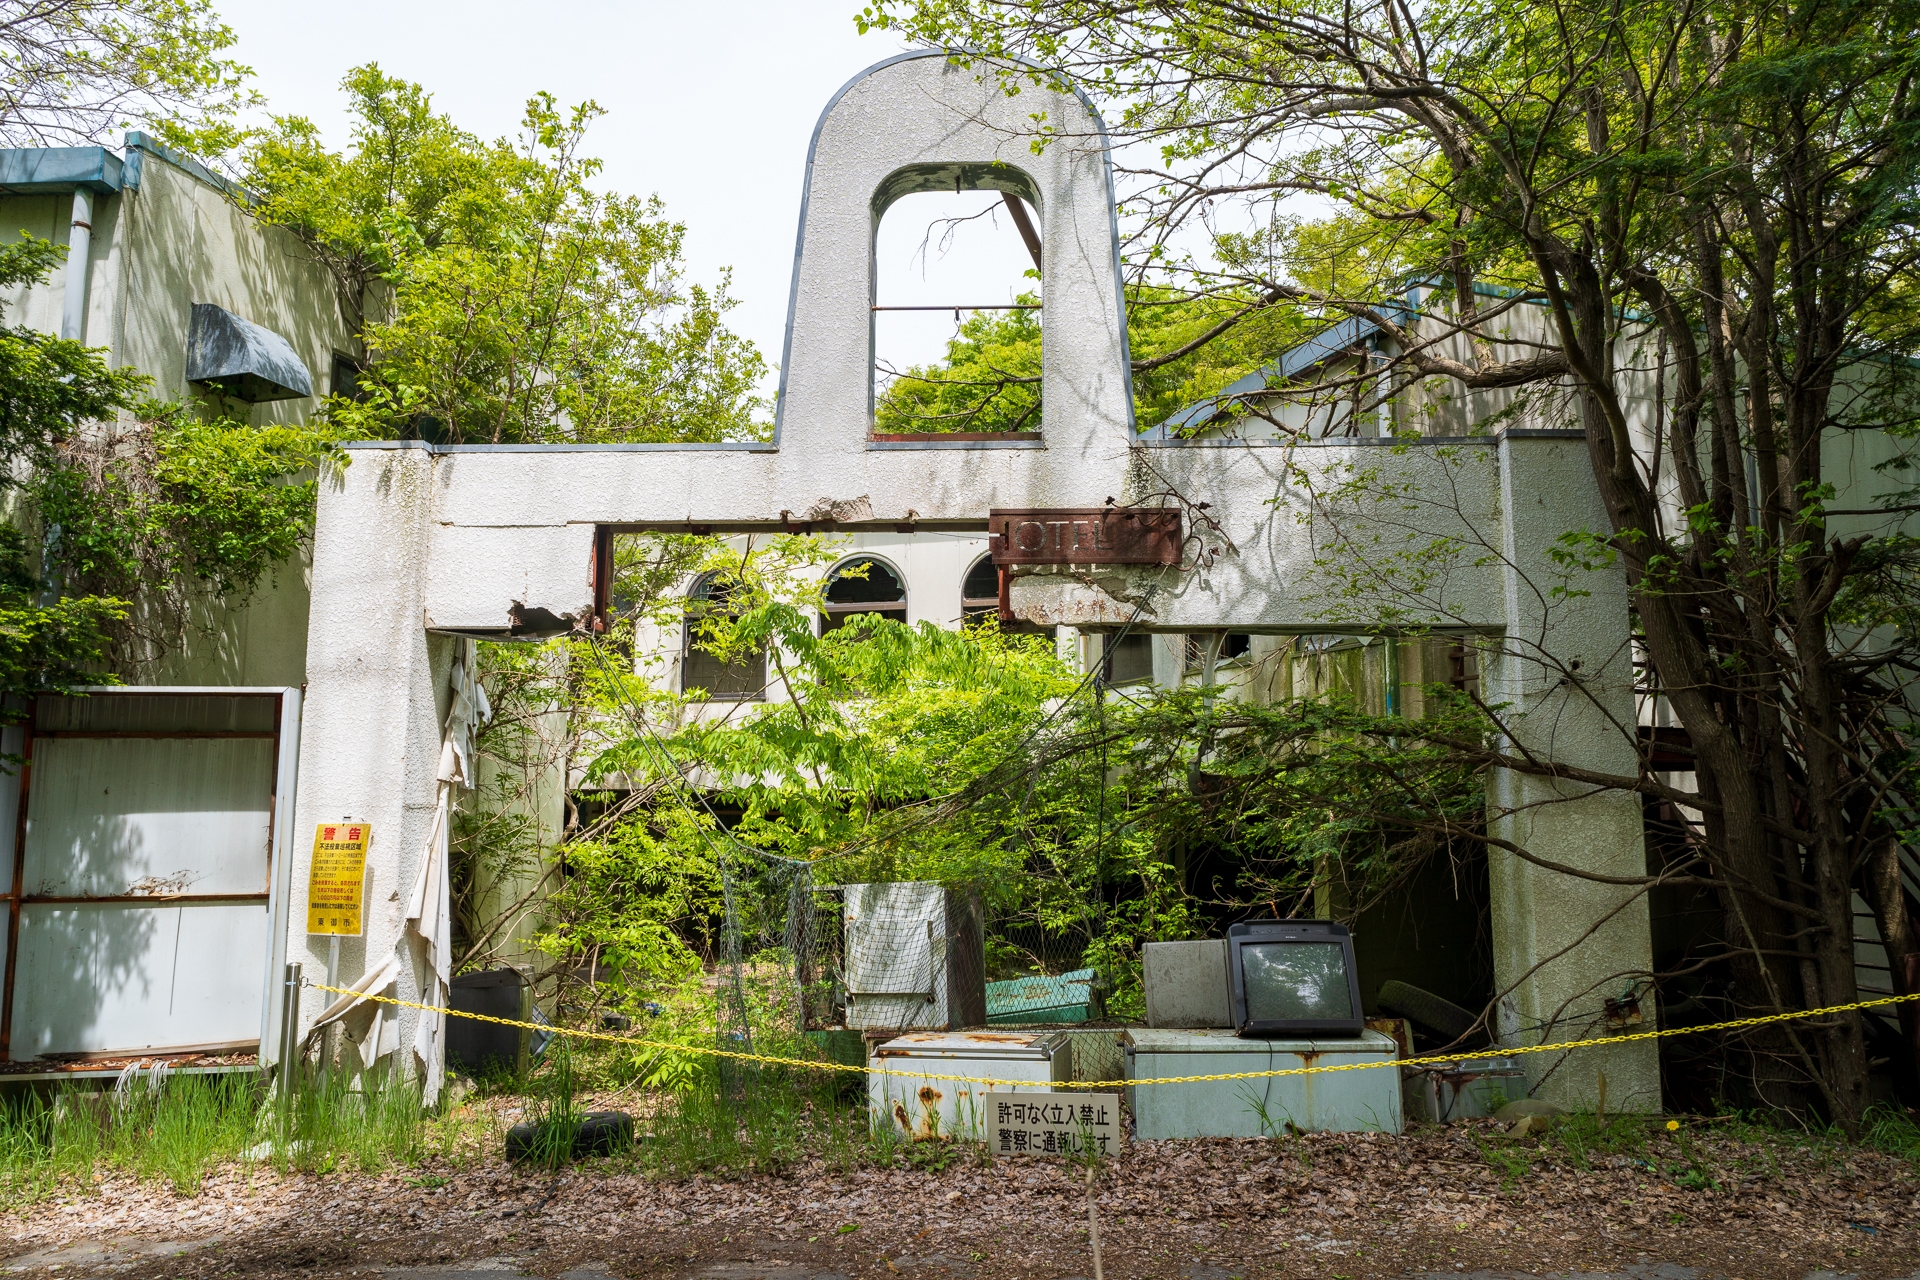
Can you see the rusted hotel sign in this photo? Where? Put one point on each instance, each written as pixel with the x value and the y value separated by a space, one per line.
pixel 1086 535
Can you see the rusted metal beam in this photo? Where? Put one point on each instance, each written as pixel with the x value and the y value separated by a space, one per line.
pixel 1017 210
pixel 19 886
pixel 1086 535
pixel 602 573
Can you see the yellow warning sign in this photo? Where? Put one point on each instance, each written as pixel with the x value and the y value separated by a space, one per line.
pixel 339 872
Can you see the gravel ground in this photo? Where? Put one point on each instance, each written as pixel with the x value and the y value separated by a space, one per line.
pixel 1332 1207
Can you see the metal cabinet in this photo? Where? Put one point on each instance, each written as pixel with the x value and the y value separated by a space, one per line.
pixel 143 855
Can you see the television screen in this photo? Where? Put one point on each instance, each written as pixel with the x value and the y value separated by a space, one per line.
pixel 1293 977
pixel 1288 981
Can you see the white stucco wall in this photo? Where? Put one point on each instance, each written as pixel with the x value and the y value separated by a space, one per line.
pixel 415 539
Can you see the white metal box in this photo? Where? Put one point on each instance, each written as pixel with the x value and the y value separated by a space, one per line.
pixel 1186 984
pixel 1470 1089
pixel 1337 1100
pixel 901 1091
pixel 915 958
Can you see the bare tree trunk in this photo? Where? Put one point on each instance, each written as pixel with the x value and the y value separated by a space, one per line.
pixel 1880 879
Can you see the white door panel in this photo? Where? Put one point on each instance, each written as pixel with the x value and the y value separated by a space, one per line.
pixel 95 978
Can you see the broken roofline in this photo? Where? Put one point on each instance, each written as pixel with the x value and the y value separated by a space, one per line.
pixel 1340 337
pixel 1321 347
pixel 1491 438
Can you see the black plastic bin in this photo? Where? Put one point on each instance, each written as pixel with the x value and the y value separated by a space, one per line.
pixel 487 1048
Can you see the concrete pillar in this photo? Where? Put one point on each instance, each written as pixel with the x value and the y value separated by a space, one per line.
pixel 1564 671
pixel 376 696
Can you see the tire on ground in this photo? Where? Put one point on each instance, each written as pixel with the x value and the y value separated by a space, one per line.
pixel 1436 1013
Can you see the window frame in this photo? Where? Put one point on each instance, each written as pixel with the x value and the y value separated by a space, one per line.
pixel 834 616
pixel 697 590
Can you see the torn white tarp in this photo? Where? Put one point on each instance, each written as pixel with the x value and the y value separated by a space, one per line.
pixel 368 1024
pixel 429 931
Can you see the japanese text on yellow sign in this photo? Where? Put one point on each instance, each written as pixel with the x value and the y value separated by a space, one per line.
pixel 335 884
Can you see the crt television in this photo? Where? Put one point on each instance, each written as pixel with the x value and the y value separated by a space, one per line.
pixel 1293 978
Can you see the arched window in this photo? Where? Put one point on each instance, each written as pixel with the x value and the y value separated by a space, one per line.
pixel 864 584
pixel 980 590
pixel 742 681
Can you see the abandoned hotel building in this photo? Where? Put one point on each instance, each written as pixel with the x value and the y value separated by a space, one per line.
pixel 428 548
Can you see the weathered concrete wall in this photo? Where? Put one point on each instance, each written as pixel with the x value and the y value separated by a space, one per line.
pixel 370 744
pixel 420 539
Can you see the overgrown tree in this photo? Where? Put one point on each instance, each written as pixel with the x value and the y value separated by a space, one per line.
pixel 1744 174
pixel 499 297
pixel 78 71
pixel 177 515
pixel 50 389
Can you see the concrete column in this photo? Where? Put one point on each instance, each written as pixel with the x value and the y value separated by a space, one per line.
pixel 1564 671
pixel 376 696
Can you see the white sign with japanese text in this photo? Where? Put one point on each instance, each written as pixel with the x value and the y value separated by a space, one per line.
pixel 1053 1124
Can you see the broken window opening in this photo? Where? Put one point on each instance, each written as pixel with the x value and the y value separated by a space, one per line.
pixel 956 311
pixel 1233 645
pixel 1463 668
pixel 864 584
pixel 701 669
pixel 1126 659
pixel 980 599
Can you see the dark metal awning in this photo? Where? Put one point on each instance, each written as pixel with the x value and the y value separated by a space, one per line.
pixel 242 359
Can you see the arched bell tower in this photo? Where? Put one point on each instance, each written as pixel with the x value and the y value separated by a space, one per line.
pixel 925 122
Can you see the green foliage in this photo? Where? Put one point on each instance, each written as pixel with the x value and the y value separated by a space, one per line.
pixel 1162 321
pixel 1593 202
pixel 500 297
pixel 49 387
pixel 47 646
pixel 178 1130
pixel 1302 786
pixel 81 70
pixel 232 496
pixel 50 391
pixel 501 833
pixel 638 897
pixel 989 379
pixel 977 760
pixel 168 508
pixel 556 1113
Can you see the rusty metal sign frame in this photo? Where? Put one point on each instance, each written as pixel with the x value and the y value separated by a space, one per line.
pixel 1080 535
pixel 1086 535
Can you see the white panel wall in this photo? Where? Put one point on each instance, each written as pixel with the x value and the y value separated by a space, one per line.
pixel 114 977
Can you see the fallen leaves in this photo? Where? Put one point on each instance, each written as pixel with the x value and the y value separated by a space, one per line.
pixel 1424 1201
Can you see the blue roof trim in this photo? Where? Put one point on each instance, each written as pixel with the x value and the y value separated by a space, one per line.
pixel 139 144
pixel 48 170
pixel 1322 346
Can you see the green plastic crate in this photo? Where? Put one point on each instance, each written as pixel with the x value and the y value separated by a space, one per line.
pixel 1066 997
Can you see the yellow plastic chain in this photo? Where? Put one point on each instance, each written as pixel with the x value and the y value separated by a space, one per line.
pixel 812 1065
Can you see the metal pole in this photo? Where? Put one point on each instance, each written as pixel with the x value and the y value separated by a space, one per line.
pixel 73 311
pixel 326 1037
pixel 289 1029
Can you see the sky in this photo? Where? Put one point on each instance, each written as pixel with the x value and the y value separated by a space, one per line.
pixel 709 108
